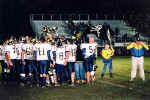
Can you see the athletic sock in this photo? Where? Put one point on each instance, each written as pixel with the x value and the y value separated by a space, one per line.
pixel 43 81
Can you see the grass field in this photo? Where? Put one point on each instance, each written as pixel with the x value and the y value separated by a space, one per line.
pixel 117 88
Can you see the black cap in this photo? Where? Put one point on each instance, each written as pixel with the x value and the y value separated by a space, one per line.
pixel 137 39
pixel 59 44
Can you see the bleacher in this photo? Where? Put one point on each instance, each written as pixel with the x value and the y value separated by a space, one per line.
pixel 38 24
pixel 119 43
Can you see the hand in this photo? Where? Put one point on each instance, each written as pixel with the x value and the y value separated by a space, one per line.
pixel 112 54
pixel 7 64
pixel 134 44
pixel 10 63
pixel 142 43
pixel 65 63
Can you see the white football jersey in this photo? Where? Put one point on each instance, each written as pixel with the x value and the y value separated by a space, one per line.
pixel 28 51
pixel 60 55
pixel 90 49
pixel 41 51
pixel 52 53
pixel 72 49
pixel 2 53
pixel 11 49
pixel 19 50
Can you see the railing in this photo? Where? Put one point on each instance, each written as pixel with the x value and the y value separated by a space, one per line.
pixel 76 16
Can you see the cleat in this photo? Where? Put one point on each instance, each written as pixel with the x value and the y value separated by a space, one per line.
pixel 48 85
pixel 71 85
pixel 22 84
pixel 43 87
pixel 57 85
pixel 37 85
pixel 30 86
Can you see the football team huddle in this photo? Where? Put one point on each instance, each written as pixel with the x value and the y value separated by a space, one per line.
pixel 43 62
pixel 53 61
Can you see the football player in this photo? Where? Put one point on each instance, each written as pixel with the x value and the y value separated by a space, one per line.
pixel 42 50
pixel 10 57
pixel 61 62
pixel 27 60
pixel 18 58
pixel 51 76
pixel 71 48
pixel 90 54
pixel 2 58
pixel 35 68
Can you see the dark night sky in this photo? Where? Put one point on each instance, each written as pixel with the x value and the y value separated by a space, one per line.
pixel 14 13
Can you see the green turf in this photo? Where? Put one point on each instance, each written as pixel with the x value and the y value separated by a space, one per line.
pixel 118 88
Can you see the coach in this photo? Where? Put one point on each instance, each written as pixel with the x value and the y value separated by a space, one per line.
pixel 137 52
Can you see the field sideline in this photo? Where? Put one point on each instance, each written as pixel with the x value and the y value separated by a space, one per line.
pixel 117 88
